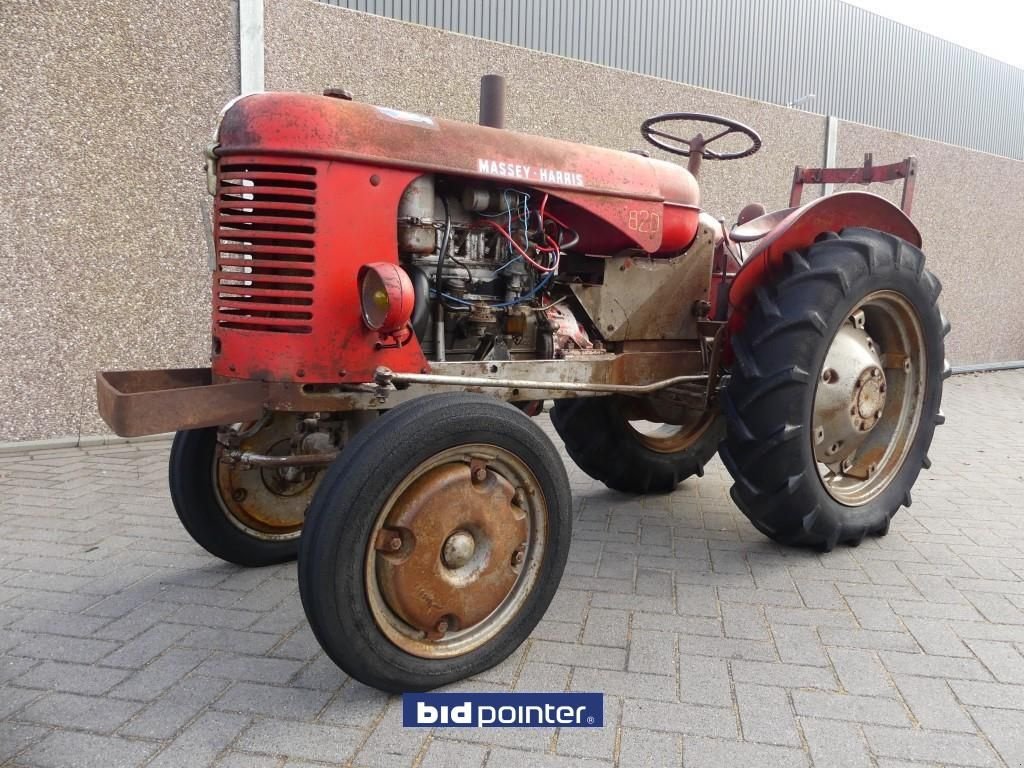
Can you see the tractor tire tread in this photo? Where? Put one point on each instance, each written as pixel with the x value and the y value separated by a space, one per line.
pixel 780 342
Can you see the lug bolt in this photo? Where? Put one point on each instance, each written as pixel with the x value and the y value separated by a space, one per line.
pixel 239 494
pixel 442 626
pixel 395 543
pixel 517 557
pixel 875 373
pixel 479 474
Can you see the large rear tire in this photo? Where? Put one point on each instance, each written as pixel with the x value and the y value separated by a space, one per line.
pixel 435 543
pixel 630 456
pixel 835 391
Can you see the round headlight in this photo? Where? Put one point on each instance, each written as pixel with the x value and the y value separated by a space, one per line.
pixel 386 295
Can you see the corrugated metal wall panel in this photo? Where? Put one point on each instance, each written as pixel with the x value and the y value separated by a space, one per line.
pixel 860 66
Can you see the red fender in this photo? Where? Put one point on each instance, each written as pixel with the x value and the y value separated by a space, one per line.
pixel 799 230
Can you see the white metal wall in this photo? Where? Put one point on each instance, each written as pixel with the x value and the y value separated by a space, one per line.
pixel 860 66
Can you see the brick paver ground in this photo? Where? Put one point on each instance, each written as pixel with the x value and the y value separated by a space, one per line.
pixel 123 644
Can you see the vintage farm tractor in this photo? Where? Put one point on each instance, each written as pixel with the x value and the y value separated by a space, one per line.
pixel 395 295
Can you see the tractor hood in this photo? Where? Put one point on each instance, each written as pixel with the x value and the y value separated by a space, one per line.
pixel 332 128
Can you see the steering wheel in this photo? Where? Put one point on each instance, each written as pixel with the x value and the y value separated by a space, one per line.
pixel 698 144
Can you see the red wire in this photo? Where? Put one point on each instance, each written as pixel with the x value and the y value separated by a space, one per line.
pixel 522 252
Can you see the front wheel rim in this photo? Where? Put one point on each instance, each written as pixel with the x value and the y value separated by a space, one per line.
pixel 869 397
pixel 259 501
pixel 456 551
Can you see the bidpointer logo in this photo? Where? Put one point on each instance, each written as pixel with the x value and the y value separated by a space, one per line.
pixel 503 710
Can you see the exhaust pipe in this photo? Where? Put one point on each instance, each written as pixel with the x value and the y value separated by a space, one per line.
pixel 492 101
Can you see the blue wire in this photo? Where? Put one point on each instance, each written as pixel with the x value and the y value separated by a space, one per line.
pixel 525 215
pixel 520 300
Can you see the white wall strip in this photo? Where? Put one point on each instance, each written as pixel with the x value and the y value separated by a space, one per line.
pixel 831 137
pixel 250 45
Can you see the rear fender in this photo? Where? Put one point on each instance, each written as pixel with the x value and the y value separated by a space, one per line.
pixel 799 229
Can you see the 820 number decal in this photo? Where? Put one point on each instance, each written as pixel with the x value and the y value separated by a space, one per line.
pixel 645 221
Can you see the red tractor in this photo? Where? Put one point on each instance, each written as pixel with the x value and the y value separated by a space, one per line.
pixel 395 295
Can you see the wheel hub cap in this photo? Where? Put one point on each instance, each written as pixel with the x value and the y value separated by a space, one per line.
pixel 460 533
pixel 851 395
pixel 458 549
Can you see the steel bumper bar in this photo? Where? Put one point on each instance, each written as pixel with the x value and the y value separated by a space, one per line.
pixel 135 403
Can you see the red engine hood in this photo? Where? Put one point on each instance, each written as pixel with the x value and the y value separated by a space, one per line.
pixel 608 183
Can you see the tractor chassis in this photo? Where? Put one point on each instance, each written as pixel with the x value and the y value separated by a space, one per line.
pixel 153 401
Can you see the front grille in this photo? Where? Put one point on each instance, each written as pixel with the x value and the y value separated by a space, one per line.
pixel 265 230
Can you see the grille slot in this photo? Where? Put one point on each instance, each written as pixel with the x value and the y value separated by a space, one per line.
pixel 265 229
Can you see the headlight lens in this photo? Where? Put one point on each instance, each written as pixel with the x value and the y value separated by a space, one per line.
pixel 386 295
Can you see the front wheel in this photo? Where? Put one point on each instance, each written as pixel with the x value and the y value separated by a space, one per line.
pixel 835 391
pixel 247 516
pixel 435 543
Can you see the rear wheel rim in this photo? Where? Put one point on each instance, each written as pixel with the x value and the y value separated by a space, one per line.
pixel 869 397
pixel 456 551
pixel 672 438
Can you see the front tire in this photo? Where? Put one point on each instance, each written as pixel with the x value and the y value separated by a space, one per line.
pixel 249 517
pixel 435 543
pixel 835 390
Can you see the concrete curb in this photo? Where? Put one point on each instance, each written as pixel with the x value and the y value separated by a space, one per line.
pixel 82 441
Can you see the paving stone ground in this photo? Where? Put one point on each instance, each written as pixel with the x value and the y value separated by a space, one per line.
pixel 124 644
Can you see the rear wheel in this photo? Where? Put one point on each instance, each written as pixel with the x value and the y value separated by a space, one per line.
pixel 632 455
pixel 835 391
pixel 436 542
pixel 248 516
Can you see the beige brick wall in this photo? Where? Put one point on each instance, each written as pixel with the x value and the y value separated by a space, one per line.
pixel 105 108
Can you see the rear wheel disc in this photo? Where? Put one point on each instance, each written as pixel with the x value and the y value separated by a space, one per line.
pixel 869 398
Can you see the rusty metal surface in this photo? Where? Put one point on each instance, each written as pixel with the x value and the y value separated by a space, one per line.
pixel 643 298
pixel 459 530
pixel 135 403
pixel 613 186
pixel 850 394
pixel 252 459
pixel 266 502
pixel 456 550
pixel 387 377
pixel 286 292
pixel 869 173
pixel 138 403
pixel 641 363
